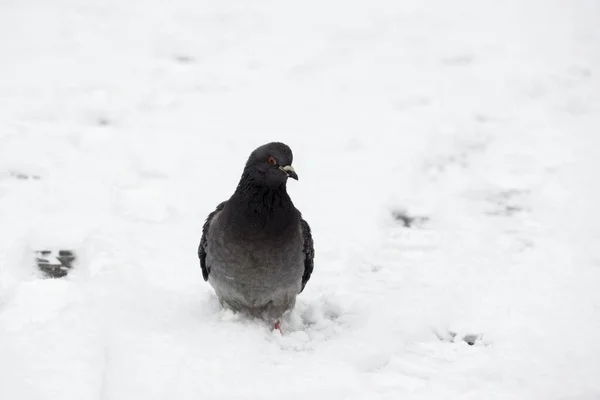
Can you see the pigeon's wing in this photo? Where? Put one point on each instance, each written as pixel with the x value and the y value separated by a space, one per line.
pixel 309 252
pixel 202 246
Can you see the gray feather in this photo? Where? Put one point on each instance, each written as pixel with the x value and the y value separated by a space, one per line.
pixel 309 252
pixel 202 246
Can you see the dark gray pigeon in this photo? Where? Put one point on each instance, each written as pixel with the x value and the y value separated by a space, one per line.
pixel 256 249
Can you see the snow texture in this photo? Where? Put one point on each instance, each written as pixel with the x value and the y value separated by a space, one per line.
pixel 123 124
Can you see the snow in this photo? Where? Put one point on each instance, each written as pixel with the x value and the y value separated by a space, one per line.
pixel 124 124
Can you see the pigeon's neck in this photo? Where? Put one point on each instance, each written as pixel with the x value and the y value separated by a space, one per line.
pixel 263 208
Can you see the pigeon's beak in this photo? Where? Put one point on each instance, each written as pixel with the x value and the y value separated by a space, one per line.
pixel 289 170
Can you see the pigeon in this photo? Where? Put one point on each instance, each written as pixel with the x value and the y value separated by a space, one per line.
pixel 256 250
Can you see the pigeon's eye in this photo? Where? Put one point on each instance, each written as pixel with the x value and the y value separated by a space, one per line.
pixel 271 160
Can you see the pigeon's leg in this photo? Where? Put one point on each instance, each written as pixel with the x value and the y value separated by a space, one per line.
pixel 277 325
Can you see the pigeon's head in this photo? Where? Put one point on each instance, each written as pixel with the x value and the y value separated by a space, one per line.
pixel 271 164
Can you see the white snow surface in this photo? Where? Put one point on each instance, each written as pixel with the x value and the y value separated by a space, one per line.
pixel 124 123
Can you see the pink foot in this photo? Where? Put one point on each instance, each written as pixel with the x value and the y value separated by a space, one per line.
pixel 278 326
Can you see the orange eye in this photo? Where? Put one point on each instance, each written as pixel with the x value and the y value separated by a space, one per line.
pixel 272 160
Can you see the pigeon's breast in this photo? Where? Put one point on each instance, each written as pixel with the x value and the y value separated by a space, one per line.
pixel 255 269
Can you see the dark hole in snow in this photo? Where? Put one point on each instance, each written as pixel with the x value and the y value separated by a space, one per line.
pixel 470 339
pixel 452 337
pixel 103 121
pixel 55 263
pixel 184 59
pixel 407 220
pixel 508 202
pixel 24 177
pixel 482 118
pixel 506 211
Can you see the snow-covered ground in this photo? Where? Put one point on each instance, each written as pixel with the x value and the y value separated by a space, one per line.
pixel 124 123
